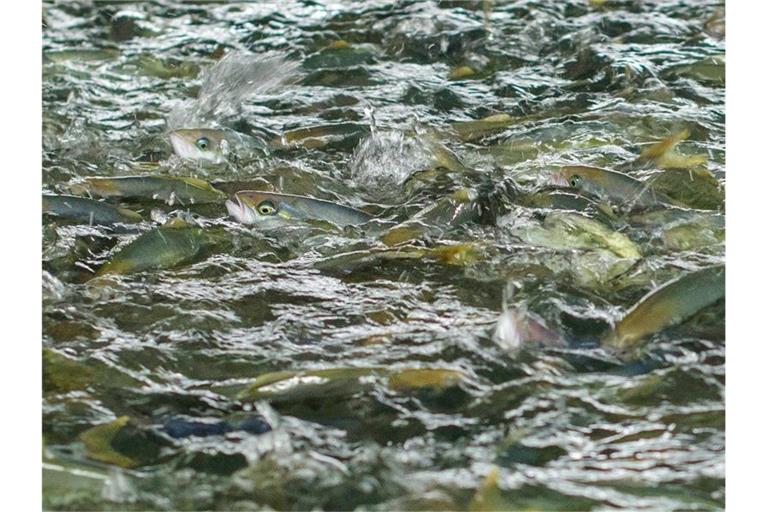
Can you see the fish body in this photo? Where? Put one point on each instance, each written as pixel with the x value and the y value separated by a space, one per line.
pixel 664 154
pixel 165 247
pixel 318 136
pixel 270 209
pixel 709 71
pixel 608 184
pixel 516 327
pixel 668 305
pixel 165 69
pixel 448 212
pixel 181 427
pixel 475 129
pixel 200 144
pixel 80 54
pixel 557 199
pixel 87 211
pixel 171 189
pixel 454 254
pixel 300 384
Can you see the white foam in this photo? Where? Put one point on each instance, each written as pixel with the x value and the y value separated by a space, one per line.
pixel 384 160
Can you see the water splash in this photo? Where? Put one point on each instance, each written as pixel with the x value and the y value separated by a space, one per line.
pixel 385 159
pixel 237 77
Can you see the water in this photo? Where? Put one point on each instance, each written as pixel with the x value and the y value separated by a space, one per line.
pixel 498 426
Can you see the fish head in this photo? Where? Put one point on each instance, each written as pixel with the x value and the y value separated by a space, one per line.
pixel 200 144
pixel 581 178
pixel 262 208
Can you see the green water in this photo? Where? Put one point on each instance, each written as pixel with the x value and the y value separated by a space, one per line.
pixel 546 426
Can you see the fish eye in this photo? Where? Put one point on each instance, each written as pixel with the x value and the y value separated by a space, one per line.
pixel 202 143
pixel 266 208
pixel 575 180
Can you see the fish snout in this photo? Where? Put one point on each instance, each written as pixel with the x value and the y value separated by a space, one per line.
pixel 186 148
pixel 239 210
pixel 181 146
pixel 560 178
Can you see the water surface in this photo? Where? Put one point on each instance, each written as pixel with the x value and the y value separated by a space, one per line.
pixel 543 427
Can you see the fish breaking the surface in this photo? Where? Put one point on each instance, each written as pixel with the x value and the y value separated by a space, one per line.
pixel 270 209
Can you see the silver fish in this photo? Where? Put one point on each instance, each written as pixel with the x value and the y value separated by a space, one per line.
pixel 270 209
pixel 200 144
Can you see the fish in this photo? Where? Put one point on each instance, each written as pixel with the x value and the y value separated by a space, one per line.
pixel 475 129
pixel 460 207
pixel 80 54
pixel 341 54
pixel 709 71
pixel 516 327
pixel 489 496
pixel 200 144
pixel 165 69
pixel 161 248
pixel 714 26
pixel 318 136
pixel 179 427
pixel 87 211
pixel 98 443
pixel 270 209
pixel 694 188
pixel 664 155
pixel 609 184
pixel 171 189
pixel 453 254
pixel 568 229
pixel 667 305
pixel 557 200
pixel 286 385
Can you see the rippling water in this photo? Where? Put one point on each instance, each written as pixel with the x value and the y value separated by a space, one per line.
pixel 385 88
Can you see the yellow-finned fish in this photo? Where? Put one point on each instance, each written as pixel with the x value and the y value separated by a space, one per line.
pixel 161 248
pixel 668 305
pixel 170 189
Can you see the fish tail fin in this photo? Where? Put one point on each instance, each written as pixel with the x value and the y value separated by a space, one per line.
pixel 664 154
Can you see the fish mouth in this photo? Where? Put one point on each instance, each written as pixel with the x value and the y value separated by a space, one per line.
pixel 182 147
pixel 239 211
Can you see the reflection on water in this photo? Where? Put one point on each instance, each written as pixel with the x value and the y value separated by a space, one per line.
pixel 445 355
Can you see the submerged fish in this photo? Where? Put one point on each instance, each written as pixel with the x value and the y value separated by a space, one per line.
pixel 87 211
pixel 608 184
pixel 270 209
pixel 319 136
pixel 452 254
pixel 347 380
pixel 709 71
pixel 162 248
pixel 448 212
pixel 150 65
pixel 179 427
pixel 98 443
pixel 171 189
pixel 471 130
pixel 80 54
pixel 668 305
pixel 201 144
